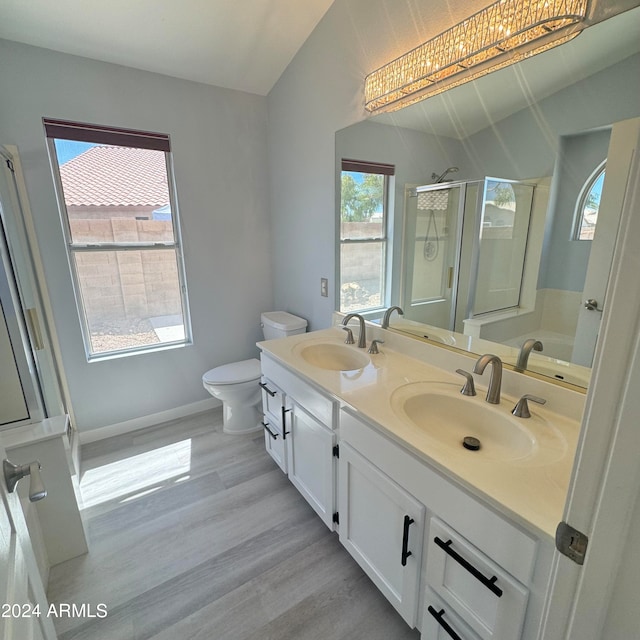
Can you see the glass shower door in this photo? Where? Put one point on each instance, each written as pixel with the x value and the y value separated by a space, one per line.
pixel 432 247
pixel 502 241
pixel 19 398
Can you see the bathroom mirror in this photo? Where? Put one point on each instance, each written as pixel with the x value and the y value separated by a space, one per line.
pixel 494 127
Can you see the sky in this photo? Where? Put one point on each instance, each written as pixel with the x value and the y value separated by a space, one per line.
pixel 69 149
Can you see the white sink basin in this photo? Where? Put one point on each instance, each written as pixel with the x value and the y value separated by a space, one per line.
pixel 440 411
pixel 334 357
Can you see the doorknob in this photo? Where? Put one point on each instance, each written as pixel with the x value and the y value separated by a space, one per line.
pixel 15 472
pixel 592 305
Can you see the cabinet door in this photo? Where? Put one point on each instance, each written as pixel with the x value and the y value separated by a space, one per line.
pixel 310 461
pixel 382 526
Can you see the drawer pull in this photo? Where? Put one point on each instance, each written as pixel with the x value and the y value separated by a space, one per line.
pixel 405 540
pixel 490 583
pixel 273 435
pixel 439 615
pixel 266 388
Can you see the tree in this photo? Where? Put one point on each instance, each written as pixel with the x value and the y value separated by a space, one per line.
pixel 360 200
pixel 503 195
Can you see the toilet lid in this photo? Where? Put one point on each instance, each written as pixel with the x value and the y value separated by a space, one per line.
pixel 243 371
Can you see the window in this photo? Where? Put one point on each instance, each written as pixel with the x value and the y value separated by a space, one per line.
pixel 120 220
pixel 588 205
pixel 363 234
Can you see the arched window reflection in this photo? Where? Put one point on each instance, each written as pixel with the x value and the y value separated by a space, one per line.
pixel 588 205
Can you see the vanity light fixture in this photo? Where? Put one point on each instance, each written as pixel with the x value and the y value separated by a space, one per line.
pixel 499 35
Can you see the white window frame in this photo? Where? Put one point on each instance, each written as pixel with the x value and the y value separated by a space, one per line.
pixel 137 139
pixel 581 201
pixel 388 172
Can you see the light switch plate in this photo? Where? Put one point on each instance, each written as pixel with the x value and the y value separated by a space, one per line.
pixel 324 287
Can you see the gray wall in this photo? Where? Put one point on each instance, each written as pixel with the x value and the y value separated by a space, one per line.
pixel 219 142
pixel 564 265
pixel 525 145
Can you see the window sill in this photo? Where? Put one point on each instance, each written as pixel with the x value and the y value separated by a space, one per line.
pixel 115 355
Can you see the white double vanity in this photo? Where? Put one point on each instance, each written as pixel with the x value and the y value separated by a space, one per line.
pixel 460 540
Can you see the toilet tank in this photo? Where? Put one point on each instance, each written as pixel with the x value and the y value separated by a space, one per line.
pixel 279 324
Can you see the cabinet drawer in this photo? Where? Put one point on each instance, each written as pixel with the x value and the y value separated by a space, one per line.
pixel 485 596
pixel 439 622
pixel 276 445
pixel 272 404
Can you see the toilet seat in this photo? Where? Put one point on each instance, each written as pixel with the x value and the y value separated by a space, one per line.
pixel 233 373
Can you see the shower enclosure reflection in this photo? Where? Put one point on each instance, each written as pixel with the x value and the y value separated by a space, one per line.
pixel 451 276
pixel 431 248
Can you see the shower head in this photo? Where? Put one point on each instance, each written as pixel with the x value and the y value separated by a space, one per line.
pixel 439 178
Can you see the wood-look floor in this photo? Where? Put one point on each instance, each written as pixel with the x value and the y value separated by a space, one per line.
pixel 198 535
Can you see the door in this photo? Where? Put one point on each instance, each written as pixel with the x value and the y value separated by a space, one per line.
pixel 22 597
pixel 432 248
pixel 500 246
pixel 20 401
pixel 382 527
pixel 622 148
pixel 311 462
pixel 13 405
pixel 606 484
pixel 31 360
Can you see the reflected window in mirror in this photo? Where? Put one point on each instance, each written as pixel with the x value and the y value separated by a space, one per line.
pixel 364 220
pixel 588 204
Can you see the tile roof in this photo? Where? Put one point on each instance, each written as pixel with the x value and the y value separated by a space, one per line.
pixel 115 176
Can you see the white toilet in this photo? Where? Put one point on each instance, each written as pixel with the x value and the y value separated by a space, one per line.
pixel 236 384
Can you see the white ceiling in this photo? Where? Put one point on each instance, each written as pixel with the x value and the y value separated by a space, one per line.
pixel 238 44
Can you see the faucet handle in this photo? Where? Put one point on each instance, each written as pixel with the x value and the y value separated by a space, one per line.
pixel 349 339
pixel 521 410
pixel 468 388
pixel 373 349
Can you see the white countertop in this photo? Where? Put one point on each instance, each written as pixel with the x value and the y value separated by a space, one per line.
pixel 531 489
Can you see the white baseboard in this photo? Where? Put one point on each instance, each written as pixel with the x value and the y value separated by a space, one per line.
pixel 93 435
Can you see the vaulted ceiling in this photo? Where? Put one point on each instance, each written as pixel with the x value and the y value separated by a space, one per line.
pixel 238 44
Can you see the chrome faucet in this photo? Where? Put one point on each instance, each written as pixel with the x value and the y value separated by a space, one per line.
pixel 387 315
pixel 362 340
pixel 495 382
pixel 525 350
pixel 521 410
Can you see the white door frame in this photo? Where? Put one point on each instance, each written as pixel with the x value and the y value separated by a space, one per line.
pixel 606 479
pixel 29 269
